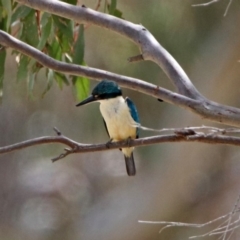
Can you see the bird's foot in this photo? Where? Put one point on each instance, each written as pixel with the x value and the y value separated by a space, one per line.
pixel 108 143
pixel 128 141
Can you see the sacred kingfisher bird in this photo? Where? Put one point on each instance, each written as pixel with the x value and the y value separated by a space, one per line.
pixel 120 117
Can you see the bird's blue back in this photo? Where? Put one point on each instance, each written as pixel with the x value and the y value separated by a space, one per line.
pixel 133 112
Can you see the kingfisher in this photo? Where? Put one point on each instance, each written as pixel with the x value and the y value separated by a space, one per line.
pixel 120 117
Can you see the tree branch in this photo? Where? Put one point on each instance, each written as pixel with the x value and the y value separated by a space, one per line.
pixel 150 48
pixel 212 136
pixel 212 2
pixel 203 107
pixel 188 97
pixel 227 224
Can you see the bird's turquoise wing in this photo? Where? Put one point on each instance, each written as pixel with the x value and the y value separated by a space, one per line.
pixel 133 112
pixel 105 125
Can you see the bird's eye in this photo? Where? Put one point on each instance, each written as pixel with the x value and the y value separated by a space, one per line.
pixel 95 96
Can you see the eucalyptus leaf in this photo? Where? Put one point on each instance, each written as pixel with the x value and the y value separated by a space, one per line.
pixel 31 82
pixel 7 4
pixel 78 53
pixel 3 19
pixel 45 32
pixel 81 86
pixel 64 31
pixel 61 79
pixel 22 72
pixel 54 50
pixel 2 64
pixel 30 29
pixel 112 6
pixel 50 78
pixel 73 2
pixel 20 13
pixel 45 18
pixel 118 13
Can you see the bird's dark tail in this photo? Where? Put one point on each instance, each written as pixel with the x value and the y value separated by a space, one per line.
pixel 130 165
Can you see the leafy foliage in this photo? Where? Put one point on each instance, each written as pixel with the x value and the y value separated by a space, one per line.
pixel 81 83
pixel 2 60
pixel 112 8
pixel 60 38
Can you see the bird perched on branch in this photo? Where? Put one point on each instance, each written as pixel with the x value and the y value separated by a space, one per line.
pixel 120 117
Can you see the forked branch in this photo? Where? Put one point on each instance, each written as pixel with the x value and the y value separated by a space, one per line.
pixel 227 224
pixel 206 4
pixel 187 95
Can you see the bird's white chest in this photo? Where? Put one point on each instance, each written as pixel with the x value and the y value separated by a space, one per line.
pixel 118 119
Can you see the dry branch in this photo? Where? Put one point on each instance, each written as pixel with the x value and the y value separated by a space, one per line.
pixel 213 136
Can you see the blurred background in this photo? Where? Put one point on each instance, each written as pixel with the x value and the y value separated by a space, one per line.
pixel 89 196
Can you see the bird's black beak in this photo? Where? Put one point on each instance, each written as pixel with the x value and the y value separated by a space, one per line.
pixel 87 100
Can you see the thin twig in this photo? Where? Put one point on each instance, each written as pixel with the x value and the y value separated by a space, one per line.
pixel 137 58
pixel 57 131
pixel 205 4
pixel 208 233
pixel 181 224
pixel 230 217
pixel 98 5
pixel 218 230
pixel 228 6
pixel 212 2
pixel 225 227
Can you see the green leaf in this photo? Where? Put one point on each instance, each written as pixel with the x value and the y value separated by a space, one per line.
pixel 78 54
pixel 73 2
pixel 2 64
pixel 20 13
pixel 3 19
pixel 50 78
pixel 105 6
pixel 117 13
pixel 45 31
pixel 44 19
pixel 81 85
pixel 55 50
pixel 22 72
pixel 60 79
pixel 7 4
pixel 112 7
pixel 64 31
pixel 31 82
pixel 1 12
pixel 14 5
pixel 63 25
pixel 30 29
pixel 68 58
pixel 66 44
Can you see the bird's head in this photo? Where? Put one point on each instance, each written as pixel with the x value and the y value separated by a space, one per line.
pixel 104 90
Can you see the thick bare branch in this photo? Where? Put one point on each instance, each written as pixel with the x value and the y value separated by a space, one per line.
pixel 150 48
pixel 73 69
pixel 203 107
